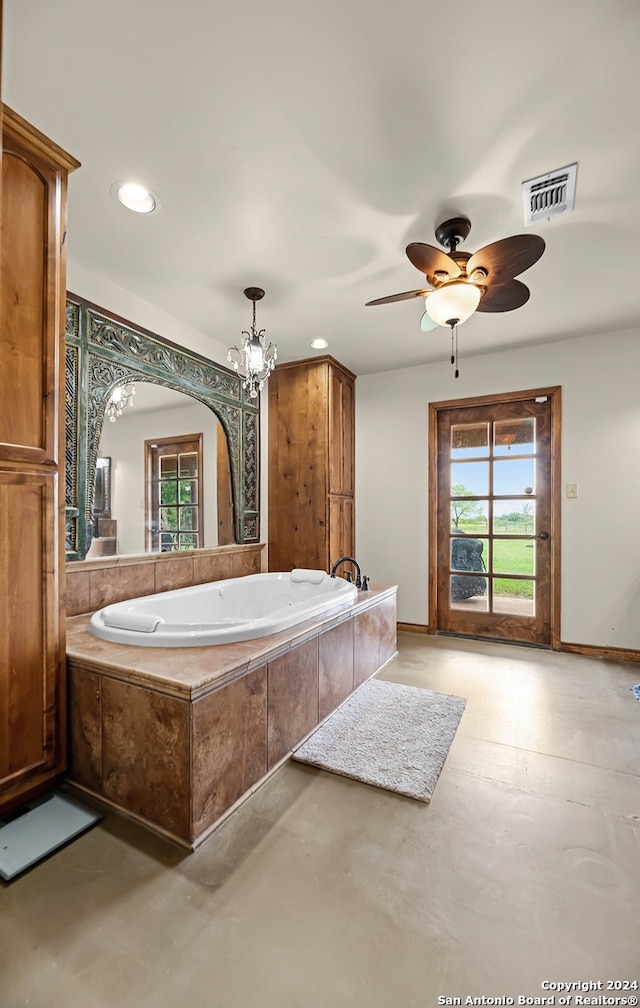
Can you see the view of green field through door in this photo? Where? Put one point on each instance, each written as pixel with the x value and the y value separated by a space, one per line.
pixel 495 518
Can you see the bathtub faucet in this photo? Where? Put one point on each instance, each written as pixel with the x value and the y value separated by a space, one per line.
pixel 355 563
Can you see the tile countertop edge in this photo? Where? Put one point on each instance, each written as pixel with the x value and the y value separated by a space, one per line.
pixel 134 665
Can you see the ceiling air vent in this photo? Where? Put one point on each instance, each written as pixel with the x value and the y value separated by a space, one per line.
pixel 549 195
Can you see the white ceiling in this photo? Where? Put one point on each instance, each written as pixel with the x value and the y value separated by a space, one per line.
pixel 300 146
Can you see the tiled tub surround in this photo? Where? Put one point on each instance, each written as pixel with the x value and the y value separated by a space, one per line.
pixel 92 584
pixel 176 737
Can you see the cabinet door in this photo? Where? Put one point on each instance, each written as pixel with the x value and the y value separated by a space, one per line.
pixel 29 307
pixel 31 692
pixel 341 433
pixel 32 286
pixel 341 532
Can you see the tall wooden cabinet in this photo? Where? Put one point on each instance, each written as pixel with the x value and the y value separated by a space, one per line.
pixel 32 301
pixel 311 464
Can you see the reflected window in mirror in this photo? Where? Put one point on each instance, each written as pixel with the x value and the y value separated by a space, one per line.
pixel 173 511
pixel 162 415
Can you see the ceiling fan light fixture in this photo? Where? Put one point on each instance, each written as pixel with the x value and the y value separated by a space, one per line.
pixel 453 303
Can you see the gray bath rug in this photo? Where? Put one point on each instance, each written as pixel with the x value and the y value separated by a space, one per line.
pixel 394 737
pixel 32 832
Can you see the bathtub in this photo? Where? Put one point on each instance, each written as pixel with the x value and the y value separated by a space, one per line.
pixel 223 612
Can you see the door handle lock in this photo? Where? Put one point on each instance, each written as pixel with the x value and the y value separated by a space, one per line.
pixel 540 535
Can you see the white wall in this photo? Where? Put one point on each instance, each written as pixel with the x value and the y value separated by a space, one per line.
pixel 600 451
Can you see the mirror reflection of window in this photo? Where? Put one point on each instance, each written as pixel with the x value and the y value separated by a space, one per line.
pixel 173 513
pixel 158 413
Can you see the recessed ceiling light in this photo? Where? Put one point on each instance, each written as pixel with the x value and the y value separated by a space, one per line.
pixel 135 197
pixel 319 344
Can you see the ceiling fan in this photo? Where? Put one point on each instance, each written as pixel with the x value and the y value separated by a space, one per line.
pixel 461 283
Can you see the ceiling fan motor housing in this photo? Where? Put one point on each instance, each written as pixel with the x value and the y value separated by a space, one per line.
pixel 453 232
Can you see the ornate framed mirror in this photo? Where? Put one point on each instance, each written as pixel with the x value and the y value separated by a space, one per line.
pixel 105 353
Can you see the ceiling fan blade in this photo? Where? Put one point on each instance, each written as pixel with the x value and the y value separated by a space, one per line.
pixel 430 260
pixel 504 297
pixel 505 259
pixel 398 297
pixel 427 323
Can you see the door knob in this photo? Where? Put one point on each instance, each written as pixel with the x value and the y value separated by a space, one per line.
pixel 540 535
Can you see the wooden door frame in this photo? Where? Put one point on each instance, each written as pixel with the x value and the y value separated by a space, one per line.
pixel 554 393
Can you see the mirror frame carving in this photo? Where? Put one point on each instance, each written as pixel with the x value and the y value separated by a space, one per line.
pixel 102 351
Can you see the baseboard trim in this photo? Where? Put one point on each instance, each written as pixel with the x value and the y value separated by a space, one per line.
pixel 594 651
pixel 414 628
pixel 589 650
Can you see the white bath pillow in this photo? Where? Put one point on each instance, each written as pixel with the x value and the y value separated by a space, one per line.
pixel 122 619
pixel 312 576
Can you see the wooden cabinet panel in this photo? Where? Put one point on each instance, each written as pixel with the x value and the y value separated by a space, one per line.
pixel 32 293
pixel 335 667
pixel 292 709
pixel 26 348
pixel 341 538
pixel 341 438
pixel 32 304
pixel 31 687
pixel 311 447
pixel 230 742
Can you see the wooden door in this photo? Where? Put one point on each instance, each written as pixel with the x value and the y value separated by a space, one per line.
pixel 495 518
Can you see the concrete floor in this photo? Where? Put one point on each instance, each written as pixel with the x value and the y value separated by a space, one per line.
pixel 322 893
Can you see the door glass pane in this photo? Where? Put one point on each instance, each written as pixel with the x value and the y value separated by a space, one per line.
pixel 514 476
pixel 515 437
pixel 168 518
pixel 469 516
pixel 469 592
pixel 468 554
pixel 188 540
pixel 188 491
pixel 514 517
pixel 513 556
pixel 168 466
pixel 469 440
pixel 188 519
pixel 469 479
pixel 514 597
pixel 167 492
pixel 188 464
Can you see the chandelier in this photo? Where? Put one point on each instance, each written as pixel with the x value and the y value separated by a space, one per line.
pixel 254 361
pixel 120 398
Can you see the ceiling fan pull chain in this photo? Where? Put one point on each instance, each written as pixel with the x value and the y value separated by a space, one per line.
pixel 454 346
